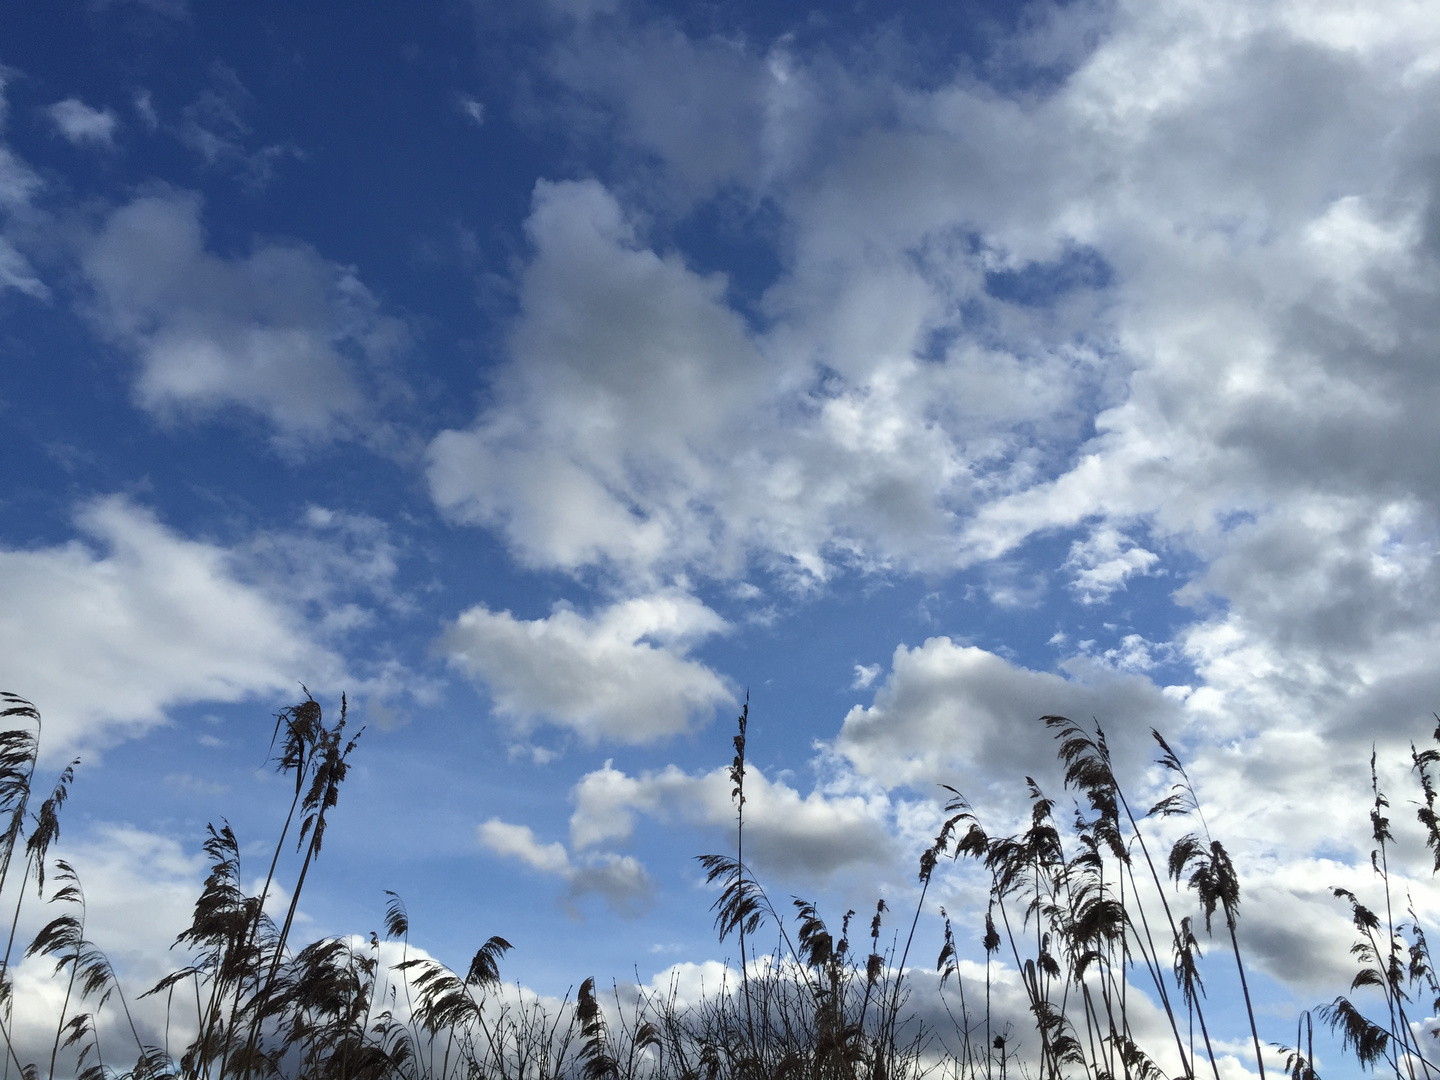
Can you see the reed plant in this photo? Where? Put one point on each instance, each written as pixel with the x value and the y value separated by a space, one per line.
pixel 1087 915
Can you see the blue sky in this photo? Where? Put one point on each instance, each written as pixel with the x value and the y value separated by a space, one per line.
pixel 548 378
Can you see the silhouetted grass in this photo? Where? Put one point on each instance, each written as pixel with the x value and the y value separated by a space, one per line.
pixel 1085 918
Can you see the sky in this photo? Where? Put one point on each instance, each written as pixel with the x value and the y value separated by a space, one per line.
pixel 549 377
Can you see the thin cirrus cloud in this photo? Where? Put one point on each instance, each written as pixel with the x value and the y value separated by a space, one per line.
pixel 19 185
pixel 215 128
pixel 621 674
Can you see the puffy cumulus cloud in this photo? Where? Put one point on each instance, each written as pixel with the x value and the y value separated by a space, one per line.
pixel 930 1007
pixel 139 889
pixel 1272 304
pixel 106 635
pixel 959 715
pixel 1289 801
pixel 641 425
pixel 621 674
pixel 82 125
pixel 1312 648
pixel 518 842
pixel 281 331
pixel 620 879
pixel 1295 928
pixel 691 984
pixel 786 833
pixel 628 367
pixel 1185 292
pixel 1262 316
pixel 1328 612
pixel 865 674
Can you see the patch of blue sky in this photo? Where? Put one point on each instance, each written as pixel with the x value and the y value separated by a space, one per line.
pixel 1040 284
pixel 741 237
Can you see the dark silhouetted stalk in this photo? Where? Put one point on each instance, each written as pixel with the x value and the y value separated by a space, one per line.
pixel 323 795
pixel 737 793
pixel 64 937
pixel 19 751
pixel 303 725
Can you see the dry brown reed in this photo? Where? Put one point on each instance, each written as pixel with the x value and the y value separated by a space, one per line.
pixel 1084 914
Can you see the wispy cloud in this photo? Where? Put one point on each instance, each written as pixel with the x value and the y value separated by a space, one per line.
pixel 82 125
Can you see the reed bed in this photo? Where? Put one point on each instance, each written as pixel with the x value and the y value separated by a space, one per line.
pixel 1090 945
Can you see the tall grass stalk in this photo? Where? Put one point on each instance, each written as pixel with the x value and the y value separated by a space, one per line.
pixel 1066 904
pixel 302 725
pixel 737 793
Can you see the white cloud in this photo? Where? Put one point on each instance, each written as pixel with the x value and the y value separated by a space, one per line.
pixel 620 879
pixel 281 332
pixel 701 104
pixel 865 675
pixel 631 365
pixel 105 637
pixel 962 716
pixel 518 842
pixel 473 109
pixel 956 714
pixel 140 890
pixel 82 125
pixel 1252 379
pixel 1231 244
pixel 1103 561
pixel 786 834
pixel 1134 653
pixel 1176 309
pixel 641 426
pixel 15 270
pixel 621 674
